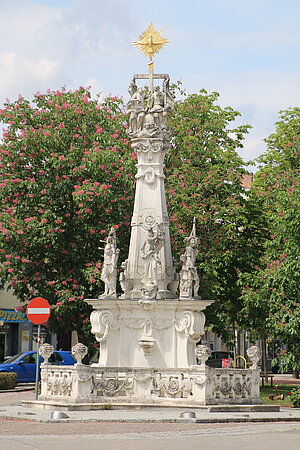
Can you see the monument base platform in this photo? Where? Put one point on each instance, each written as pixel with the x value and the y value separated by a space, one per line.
pixel 148 333
pixel 89 387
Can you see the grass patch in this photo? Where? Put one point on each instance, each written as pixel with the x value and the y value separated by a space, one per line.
pixel 106 406
pixel 282 389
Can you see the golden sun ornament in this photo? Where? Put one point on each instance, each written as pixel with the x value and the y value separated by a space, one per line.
pixel 150 42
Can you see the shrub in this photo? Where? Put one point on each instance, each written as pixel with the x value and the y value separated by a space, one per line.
pixel 295 397
pixel 8 380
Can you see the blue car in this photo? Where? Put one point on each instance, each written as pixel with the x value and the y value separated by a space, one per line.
pixel 24 364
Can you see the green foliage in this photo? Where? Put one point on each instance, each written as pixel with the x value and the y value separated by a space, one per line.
pixel 8 380
pixel 271 294
pixel 295 397
pixel 203 180
pixel 283 145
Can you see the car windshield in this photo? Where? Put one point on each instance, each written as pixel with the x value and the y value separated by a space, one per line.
pixel 12 358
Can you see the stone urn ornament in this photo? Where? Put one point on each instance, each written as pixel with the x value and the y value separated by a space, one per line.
pixel 254 354
pixel 46 351
pixel 79 351
pixel 202 354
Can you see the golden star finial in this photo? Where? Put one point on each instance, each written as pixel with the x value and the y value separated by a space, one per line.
pixel 150 42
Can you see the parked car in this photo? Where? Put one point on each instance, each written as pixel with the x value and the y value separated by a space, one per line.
pixel 24 364
pixel 215 359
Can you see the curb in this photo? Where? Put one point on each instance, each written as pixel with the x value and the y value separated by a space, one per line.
pixel 112 420
pixel 18 389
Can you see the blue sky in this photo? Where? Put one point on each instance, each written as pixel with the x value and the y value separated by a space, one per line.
pixel 247 50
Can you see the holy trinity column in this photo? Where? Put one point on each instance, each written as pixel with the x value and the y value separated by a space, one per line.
pixel 148 326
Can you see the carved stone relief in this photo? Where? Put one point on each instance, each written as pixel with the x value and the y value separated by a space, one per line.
pixel 150 256
pixel 79 351
pixel 102 322
pixel 60 385
pixel 171 386
pixel 214 385
pixel 202 354
pixel 192 324
pixel 148 110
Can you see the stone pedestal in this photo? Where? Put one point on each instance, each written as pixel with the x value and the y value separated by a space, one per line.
pixel 148 333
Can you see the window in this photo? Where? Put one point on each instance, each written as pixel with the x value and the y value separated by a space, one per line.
pixel 55 358
pixel 29 359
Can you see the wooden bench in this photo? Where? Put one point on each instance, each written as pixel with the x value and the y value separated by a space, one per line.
pixel 263 377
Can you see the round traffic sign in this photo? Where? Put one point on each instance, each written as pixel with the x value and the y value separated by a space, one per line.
pixel 38 310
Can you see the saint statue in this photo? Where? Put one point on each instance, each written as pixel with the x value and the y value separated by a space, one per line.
pixel 136 109
pixel 149 253
pixel 109 270
pixel 189 279
pixel 156 106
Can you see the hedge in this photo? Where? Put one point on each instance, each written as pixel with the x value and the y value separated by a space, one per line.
pixel 8 380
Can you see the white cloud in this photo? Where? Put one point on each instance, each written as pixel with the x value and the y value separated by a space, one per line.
pixel 22 73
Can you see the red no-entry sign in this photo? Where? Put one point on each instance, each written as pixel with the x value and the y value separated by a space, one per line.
pixel 38 310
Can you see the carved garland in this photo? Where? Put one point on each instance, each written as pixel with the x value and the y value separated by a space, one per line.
pixel 112 386
pixel 172 386
pixel 238 387
pixel 148 147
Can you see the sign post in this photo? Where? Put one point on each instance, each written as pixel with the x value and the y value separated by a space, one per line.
pixel 38 311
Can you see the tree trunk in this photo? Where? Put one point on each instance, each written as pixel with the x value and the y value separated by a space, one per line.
pixel 64 341
pixel 264 352
pixel 235 344
pixel 296 374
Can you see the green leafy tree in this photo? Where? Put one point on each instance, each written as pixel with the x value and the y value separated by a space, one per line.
pixel 204 180
pixel 66 178
pixel 271 294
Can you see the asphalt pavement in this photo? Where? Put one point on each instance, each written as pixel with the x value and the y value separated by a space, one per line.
pixel 17 405
pixel 23 427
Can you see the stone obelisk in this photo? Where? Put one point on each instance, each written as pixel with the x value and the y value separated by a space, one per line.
pixel 149 271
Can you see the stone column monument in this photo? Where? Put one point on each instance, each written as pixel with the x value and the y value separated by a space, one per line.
pixel 148 334
pixel 149 268
pixel 148 326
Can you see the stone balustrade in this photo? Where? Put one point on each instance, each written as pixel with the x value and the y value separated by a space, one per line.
pixel 80 384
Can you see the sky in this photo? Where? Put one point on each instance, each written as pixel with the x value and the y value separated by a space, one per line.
pixel 247 50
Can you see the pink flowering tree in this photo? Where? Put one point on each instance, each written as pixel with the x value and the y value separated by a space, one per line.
pixel 271 292
pixel 66 178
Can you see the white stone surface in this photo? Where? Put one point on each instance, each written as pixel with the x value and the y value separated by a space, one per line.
pixel 149 271
pixel 189 279
pixel 148 333
pixel 86 385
